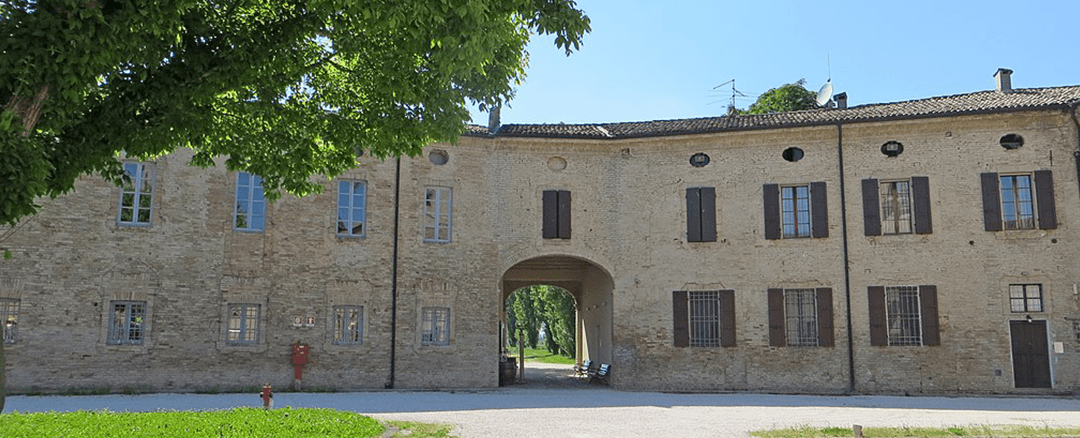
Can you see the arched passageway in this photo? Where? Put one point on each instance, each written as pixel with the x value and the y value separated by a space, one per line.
pixel 589 284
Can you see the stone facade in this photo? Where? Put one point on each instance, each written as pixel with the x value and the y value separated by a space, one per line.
pixel 628 257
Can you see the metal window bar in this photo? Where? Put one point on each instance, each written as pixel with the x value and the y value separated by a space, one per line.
pixel 800 317
pixel 351 208
pixel 243 323
pixel 127 323
pixel 250 211
pixel 903 315
pixel 795 211
pixel 1025 298
pixel 348 323
pixel 1017 208
pixel 435 328
pixel 896 207
pixel 704 311
pixel 136 195
pixel 9 319
pixel 437 202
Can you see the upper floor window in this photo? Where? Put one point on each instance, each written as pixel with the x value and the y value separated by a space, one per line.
pixel 797 211
pixel 127 323
pixel 704 318
pixel 903 315
pixel 435 329
pixel 556 214
pixel 348 324
pixel 1018 201
pixel 136 195
pixel 437 202
pixel 351 208
pixel 9 319
pixel 800 317
pixel 896 206
pixel 243 323
pixel 1025 297
pixel 250 211
pixel 701 214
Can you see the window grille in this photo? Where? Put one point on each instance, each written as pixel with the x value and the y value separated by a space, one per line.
pixel 351 208
pixel 437 202
pixel 1025 297
pixel 348 324
pixel 795 211
pixel 800 317
pixel 9 319
pixel 1017 209
pixel 127 323
pixel 244 323
pixel 896 207
pixel 435 328
pixel 136 195
pixel 903 316
pixel 250 211
pixel 704 318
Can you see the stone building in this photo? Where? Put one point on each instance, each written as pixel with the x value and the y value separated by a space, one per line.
pixel 928 246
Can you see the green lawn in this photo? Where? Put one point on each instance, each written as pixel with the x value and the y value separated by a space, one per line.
pixel 239 422
pixel 955 431
pixel 540 355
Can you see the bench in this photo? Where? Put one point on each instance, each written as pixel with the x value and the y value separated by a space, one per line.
pixel 584 369
pixel 601 375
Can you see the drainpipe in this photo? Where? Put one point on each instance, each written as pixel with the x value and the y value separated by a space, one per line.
pixel 847 259
pixel 394 274
pixel 1076 154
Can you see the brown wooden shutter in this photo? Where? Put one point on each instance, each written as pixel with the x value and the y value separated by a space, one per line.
pixel 772 211
pixel 1044 197
pixel 564 214
pixel 825 317
pixel 727 318
pixel 679 313
pixel 693 214
pixel 777 336
pixel 928 312
pixel 991 195
pixel 819 210
pixel 920 191
pixel 708 214
pixel 871 207
pixel 551 214
pixel 876 298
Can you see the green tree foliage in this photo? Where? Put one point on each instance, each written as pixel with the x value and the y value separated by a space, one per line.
pixel 542 308
pixel 789 97
pixel 285 89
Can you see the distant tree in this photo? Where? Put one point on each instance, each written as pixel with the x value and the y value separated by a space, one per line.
pixel 788 97
pixel 544 308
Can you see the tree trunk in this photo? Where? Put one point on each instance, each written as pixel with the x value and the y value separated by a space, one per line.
pixel 3 390
pixel 28 110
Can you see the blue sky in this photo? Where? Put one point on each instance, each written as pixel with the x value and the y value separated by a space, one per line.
pixel 655 60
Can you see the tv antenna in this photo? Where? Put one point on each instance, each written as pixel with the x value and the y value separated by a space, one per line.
pixel 734 93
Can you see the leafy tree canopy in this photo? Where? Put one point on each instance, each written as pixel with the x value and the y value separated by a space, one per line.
pixel 789 97
pixel 285 89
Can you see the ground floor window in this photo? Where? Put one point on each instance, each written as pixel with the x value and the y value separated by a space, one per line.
pixel 244 323
pixel 9 319
pixel 1025 297
pixel 902 315
pixel 435 326
pixel 127 324
pixel 704 318
pixel 348 324
pixel 800 317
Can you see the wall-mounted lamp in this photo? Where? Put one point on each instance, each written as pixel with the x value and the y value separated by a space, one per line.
pixel 1029 319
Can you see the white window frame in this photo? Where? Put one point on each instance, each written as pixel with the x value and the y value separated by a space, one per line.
pixel 348 325
pixel 438 201
pixel 897 211
pixel 9 320
pixel 249 211
pixel 703 311
pixel 1017 213
pixel 352 208
pixel 1028 296
pixel 800 318
pixel 239 330
pixel 138 186
pixel 127 322
pixel 795 220
pixel 435 326
pixel 903 316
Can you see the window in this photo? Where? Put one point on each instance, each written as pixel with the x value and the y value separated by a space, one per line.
pixel 244 323
pixel 9 319
pixel 701 214
pixel 435 329
pixel 348 324
pixel 556 214
pixel 250 212
pixel 897 206
pixel 800 317
pixel 1025 297
pixel 704 318
pixel 136 195
pixel 351 208
pixel 437 202
pixel 1018 201
pixel 903 315
pixel 796 211
pixel 127 322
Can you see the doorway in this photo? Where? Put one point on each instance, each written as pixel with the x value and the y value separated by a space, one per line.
pixel 1031 354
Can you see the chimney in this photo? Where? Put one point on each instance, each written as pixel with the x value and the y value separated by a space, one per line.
pixel 1003 78
pixel 493 120
pixel 841 100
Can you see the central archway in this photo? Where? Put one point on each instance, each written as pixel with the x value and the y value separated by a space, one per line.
pixel 591 286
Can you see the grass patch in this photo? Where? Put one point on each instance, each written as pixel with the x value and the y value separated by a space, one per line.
pixel 892 432
pixel 540 355
pixel 239 422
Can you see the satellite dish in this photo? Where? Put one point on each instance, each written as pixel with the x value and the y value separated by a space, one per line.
pixel 824 95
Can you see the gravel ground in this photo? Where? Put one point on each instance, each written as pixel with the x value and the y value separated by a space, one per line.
pixel 551 403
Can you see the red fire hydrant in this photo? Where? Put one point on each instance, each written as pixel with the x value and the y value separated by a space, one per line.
pixel 299 358
pixel 267 396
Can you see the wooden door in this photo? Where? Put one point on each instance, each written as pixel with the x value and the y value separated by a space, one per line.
pixel 1031 355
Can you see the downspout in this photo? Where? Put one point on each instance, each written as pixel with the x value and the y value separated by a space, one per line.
pixel 1076 154
pixel 847 259
pixel 394 274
